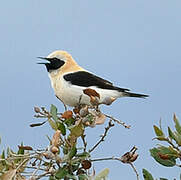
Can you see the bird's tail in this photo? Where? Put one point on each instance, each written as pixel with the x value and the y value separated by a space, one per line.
pixel 129 94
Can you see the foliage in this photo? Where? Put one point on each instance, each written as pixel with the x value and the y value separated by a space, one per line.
pixel 166 155
pixel 63 158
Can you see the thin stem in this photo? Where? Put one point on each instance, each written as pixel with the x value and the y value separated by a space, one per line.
pixel 84 142
pixel 102 159
pixel 137 175
pixel 118 159
pixel 118 121
pixel 103 136
pixel 173 145
pixel 19 166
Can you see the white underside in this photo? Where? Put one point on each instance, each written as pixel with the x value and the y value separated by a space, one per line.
pixel 70 94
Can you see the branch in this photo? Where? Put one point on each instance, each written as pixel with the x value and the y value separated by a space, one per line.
pixel 103 136
pixel 137 175
pixel 118 121
pixel 118 159
pixel 84 142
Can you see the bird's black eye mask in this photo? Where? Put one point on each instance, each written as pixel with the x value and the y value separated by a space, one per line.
pixel 53 64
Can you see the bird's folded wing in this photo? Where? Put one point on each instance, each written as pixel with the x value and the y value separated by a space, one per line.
pixel 86 79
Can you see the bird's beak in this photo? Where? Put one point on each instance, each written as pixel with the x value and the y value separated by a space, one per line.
pixel 45 58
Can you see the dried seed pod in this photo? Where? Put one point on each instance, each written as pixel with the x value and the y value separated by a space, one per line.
pixel 134 157
pixel 108 100
pixel 54 149
pixel 67 114
pixel 56 138
pixel 86 164
pixel 84 111
pixel 37 109
pixel 100 119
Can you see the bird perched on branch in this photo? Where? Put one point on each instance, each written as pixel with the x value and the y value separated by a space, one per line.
pixel 74 85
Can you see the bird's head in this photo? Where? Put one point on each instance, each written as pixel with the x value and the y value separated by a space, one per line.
pixel 59 61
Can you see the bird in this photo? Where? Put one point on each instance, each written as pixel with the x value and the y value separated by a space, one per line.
pixel 70 82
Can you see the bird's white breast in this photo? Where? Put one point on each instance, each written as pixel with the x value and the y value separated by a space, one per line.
pixel 70 94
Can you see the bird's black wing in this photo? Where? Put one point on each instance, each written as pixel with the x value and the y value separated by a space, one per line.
pixel 86 79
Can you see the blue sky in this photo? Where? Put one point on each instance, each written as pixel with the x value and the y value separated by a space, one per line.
pixel 135 44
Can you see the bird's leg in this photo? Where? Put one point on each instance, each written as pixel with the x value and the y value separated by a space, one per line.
pixel 80 98
pixel 62 103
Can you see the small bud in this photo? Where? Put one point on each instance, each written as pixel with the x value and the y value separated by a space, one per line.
pixel 108 100
pixel 100 119
pixel 54 149
pixel 86 164
pixel 84 111
pixel 37 109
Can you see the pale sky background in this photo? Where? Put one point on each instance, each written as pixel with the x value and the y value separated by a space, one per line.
pixel 134 43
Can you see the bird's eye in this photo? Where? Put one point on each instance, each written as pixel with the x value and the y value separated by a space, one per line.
pixel 56 59
pixel 56 63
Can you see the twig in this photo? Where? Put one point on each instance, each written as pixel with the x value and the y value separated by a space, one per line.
pixel 104 159
pixel 118 121
pixel 62 103
pixel 137 175
pixel 19 166
pixel 118 159
pixel 84 142
pixel 42 175
pixel 175 147
pixel 103 136
pixel 36 170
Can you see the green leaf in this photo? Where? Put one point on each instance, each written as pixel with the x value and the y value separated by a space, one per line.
pixel 61 173
pixel 53 111
pixel 62 128
pixel 69 122
pixel 65 150
pixel 83 155
pixel 75 166
pixel 160 138
pixel 177 138
pixel 2 163
pixel 103 174
pixel 69 176
pixel 77 130
pixel 21 151
pixel 72 152
pixel 158 131
pixel 52 124
pixel 171 134
pixel 52 178
pixel 164 156
pixel 3 155
pixel 177 124
pixel 147 175
pixel 83 177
